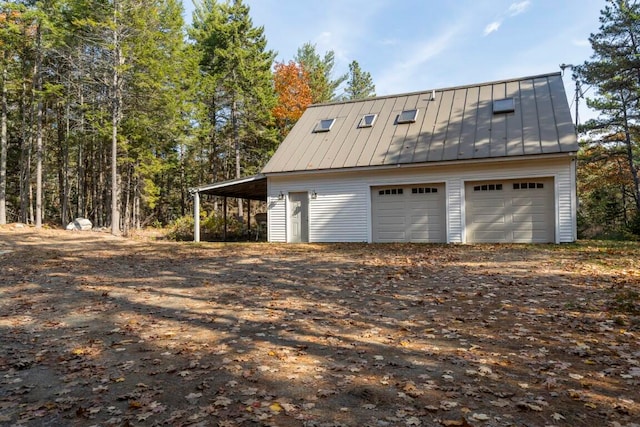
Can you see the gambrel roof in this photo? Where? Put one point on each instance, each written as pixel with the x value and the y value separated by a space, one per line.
pixel 509 118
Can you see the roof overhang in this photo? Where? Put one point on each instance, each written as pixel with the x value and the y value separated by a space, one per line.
pixel 251 187
pixel 484 160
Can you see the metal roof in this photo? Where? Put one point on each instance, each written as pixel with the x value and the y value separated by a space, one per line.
pixel 456 124
pixel 251 187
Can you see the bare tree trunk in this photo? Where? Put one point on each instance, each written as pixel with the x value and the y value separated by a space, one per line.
pixel 126 223
pixel 39 147
pixel 31 220
pixel 3 146
pixel 66 208
pixel 115 121
pixel 236 146
pixel 183 185
pixel 25 156
pixel 97 183
pixel 136 204
pixel 629 152
pixel 81 180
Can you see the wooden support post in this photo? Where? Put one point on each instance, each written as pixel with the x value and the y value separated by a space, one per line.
pixel 224 208
pixel 249 218
pixel 196 216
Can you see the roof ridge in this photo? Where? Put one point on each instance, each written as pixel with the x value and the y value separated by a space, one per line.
pixel 350 101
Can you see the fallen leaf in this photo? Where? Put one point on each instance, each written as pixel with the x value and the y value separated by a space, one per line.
pixel 480 417
pixel 527 405
pixel 500 403
pixel 455 423
pixel 191 397
pixel 447 405
pixel 222 401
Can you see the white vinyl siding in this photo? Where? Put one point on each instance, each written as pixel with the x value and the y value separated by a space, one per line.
pixel 454 209
pixel 334 214
pixel 339 209
pixel 276 220
pixel 342 210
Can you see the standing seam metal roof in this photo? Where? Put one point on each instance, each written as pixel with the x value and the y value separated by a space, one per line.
pixel 459 124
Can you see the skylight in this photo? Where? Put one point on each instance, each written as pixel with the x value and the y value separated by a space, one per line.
pixel 506 105
pixel 367 120
pixel 408 116
pixel 324 125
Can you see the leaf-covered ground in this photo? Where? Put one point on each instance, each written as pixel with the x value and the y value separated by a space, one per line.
pixel 105 331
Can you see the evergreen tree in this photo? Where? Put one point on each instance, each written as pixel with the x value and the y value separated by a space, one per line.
pixel 153 101
pixel 10 39
pixel 360 84
pixel 614 70
pixel 237 88
pixel 319 70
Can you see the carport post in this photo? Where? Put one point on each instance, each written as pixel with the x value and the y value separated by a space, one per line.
pixel 224 208
pixel 196 216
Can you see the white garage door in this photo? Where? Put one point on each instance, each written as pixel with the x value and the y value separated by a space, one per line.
pixel 519 211
pixel 409 213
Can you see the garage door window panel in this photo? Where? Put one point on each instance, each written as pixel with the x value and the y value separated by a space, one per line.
pixel 424 190
pixel 528 185
pixel 391 192
pixel 488 187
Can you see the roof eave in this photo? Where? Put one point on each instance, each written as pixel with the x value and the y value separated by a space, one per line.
pixel 566 154
pixel 251 187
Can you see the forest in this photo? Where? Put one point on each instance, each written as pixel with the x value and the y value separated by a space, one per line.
pixel 112 109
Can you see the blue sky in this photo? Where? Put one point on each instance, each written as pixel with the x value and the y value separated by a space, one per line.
pixel 415 45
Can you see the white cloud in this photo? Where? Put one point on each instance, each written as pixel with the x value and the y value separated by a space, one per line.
pixel 513 10
pixel 407 75
pixel 492 27
pixel 518 8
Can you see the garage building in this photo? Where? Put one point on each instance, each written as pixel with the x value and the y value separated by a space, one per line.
pixel 489 162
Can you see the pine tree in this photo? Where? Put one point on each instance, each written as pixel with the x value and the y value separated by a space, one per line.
pixel 238 81
pixel 360 84
pixel 319 70
pixel 9 41
pixel 152 122
pixel 614 70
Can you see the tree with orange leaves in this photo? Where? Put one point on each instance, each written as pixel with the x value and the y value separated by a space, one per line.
pixel 294 95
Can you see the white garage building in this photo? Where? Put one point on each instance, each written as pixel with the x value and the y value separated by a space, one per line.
pixel 490 162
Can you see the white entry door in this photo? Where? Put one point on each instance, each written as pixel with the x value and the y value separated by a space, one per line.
pixel 298 217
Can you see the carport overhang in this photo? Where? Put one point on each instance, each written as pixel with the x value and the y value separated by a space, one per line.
pixel 250 188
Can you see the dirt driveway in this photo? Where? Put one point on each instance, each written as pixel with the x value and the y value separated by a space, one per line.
pixel 104 331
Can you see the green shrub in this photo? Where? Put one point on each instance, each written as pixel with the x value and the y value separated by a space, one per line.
pixel 181 229
pixel 211 228
pixel 634 225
